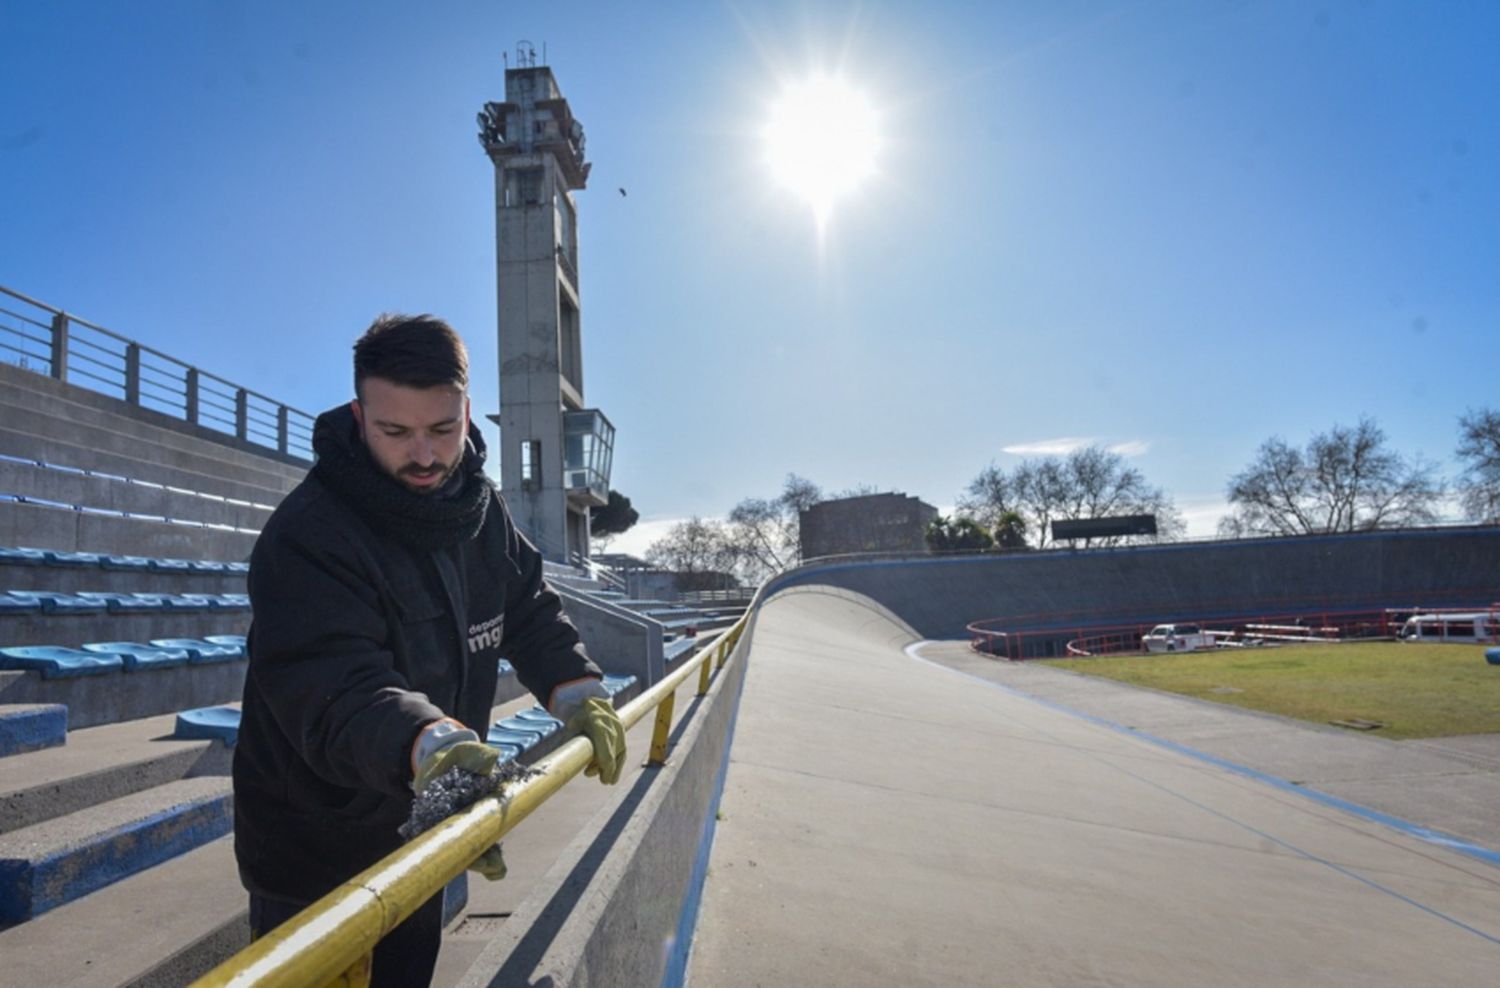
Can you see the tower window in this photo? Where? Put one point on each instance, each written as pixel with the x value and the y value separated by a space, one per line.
pixel 531 464
pixel 523 187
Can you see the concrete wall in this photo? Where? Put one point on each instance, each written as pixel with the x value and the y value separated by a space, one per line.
pixel 620 641
pixel 618 907
pixel 940 595
pixel 119 696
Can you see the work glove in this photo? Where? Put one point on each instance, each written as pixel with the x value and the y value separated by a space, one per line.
pixel 446 744
pixel 584 705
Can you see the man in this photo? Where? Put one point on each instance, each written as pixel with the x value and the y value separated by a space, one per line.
pixel 385 589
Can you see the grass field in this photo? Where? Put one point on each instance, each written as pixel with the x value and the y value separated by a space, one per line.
pixel 1414 690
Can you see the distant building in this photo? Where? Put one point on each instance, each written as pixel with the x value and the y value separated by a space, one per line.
pixel 871 523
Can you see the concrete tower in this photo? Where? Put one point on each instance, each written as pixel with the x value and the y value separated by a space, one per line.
pixel 555 453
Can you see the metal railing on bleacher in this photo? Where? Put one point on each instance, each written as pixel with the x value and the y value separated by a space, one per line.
pixel 49 341
pixel 330 942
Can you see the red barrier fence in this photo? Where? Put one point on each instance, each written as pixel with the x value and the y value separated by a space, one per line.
pixel 1013 639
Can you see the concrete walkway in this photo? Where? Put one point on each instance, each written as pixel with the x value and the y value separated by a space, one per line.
pixel 889 821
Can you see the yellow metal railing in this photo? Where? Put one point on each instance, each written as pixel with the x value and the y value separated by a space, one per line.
pixel 329 942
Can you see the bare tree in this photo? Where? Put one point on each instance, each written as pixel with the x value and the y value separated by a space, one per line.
pixel 697 550
pixel 765 533
pixel 1346 480
pixel 1087 483
pixel 1479 449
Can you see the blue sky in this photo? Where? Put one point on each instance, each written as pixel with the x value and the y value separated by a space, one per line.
pixel 1177 228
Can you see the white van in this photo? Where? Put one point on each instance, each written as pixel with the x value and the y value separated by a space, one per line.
pixel 1461 627
pixel 1176 638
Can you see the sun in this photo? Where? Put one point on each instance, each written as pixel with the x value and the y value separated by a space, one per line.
pixel 821 141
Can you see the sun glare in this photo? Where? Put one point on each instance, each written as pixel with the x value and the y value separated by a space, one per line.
pixel 821 141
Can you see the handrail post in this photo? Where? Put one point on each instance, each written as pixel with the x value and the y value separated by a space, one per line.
pixel 133 373
pixel 190 406
pixel 281 428
pixel 60 346
pixel 704 672
pixel 241 414
pixel 663 729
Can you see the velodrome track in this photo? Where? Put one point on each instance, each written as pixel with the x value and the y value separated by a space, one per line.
pixel 887 820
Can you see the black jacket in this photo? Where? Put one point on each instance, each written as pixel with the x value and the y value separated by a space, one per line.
pixel 360 637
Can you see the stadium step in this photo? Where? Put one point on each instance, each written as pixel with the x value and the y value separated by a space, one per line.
pixel 99 764
pixel 28 727
pixel 53 862
pixel 163 926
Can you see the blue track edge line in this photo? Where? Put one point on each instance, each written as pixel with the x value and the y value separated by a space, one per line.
pixel 1427 834
pixel 675 974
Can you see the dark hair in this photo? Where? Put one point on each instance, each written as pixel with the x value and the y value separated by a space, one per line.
pixel 415 351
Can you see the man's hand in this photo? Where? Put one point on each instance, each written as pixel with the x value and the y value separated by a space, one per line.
pixel 445 745
pixel 597 720
pixel 585 706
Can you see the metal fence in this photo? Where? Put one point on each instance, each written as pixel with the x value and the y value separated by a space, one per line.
pixel 49 341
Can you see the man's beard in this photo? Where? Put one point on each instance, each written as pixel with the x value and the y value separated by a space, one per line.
pixel 445 473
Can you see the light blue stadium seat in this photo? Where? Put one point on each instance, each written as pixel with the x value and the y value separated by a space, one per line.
pixel 614 684
pixel 233 641
pixel 176 602
pixel 138 656
pixel 673 650
pixel 234 601
pixel 202 651
pixel 61 603
pixel 208 566
pixel 540 717
pixel 209 600
pixel 18 605
pixel 139 564
pixel 56 662
pixel 504 669
pixel 22 557
pixel 171 565
pixel 237 567
pixel 209 723
pixel 123 602
pixel 536 729
pixel 82 560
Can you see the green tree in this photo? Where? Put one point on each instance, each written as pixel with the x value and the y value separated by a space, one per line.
pixel 615 518
pixel 957 535
pixel 1010 530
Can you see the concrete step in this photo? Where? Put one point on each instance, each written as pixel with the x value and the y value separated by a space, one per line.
pixel 31 480
pixel 72 423
pixel 162 927
pixel 26 727
pixel 169 432
pixel 72 451
pixel 73 629
pixel 54 862
pixel 44 527
pixel 99 764
pixel 116 697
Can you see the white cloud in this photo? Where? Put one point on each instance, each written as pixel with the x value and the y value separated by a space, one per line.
pixel 1048 447
pixel 1202 514
pixel 636 541
pixel 1135 447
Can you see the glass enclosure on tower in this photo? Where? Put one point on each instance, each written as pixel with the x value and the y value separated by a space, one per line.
pixel 588 451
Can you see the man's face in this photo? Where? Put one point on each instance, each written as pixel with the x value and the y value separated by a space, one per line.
pixel 414 434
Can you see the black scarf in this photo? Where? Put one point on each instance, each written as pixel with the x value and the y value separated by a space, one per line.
pixel 423 521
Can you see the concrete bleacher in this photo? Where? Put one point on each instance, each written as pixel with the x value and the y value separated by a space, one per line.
pixel 123 540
